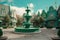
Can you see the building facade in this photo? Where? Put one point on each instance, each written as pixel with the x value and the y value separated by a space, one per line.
pixel 51 20
pixel 58 12
pixel 4 10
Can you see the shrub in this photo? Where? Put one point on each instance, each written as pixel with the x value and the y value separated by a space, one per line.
pixel 1 32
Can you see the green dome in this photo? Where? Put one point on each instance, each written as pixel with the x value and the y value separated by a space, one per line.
pixel 51 8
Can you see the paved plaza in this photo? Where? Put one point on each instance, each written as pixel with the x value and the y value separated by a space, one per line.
pixel 45 34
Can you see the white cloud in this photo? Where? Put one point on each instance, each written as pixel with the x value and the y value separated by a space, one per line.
pixel 31 5
pixel 19 11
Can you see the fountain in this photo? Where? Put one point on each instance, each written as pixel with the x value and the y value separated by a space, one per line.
pixel 27 24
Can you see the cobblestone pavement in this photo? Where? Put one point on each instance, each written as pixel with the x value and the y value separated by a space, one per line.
pixel 45 34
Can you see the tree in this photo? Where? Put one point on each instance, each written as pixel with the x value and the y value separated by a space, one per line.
pixel 6 20
pixel 19 20
pixel 37 21
pixel 41 21
pixel 44 14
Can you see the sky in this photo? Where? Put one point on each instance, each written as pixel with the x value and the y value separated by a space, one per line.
pixel 35 5
pixel 38 4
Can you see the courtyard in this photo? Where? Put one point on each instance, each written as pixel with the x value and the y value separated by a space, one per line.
pixel 45 34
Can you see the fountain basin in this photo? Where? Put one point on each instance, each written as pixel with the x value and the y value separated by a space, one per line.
pixel 27 25
pixel 20 29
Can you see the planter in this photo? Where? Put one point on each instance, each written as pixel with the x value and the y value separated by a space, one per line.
pixel 57 27
pixel 58 33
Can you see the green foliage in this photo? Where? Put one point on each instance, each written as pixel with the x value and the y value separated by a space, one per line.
pixel 37 21
pixel 41 20
pixel 1 32
pixel 19 20
pixel 6 21
pixel 44 14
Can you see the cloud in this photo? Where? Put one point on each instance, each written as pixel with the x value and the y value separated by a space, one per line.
pixel 19 11
pixel 31 5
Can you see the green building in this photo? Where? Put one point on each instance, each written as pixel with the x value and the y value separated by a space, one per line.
pixel 51 20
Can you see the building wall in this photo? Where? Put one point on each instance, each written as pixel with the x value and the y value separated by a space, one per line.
pixel 4 9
